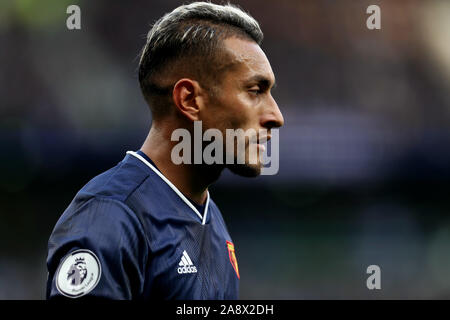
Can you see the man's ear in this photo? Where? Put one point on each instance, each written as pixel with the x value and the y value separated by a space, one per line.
pixel 187 96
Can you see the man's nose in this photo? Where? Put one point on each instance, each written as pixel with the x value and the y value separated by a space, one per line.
pixel 272 117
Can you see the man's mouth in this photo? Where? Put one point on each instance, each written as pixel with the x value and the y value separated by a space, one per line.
pixel 262 141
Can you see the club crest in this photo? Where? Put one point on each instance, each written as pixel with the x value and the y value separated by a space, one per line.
pixel 232 256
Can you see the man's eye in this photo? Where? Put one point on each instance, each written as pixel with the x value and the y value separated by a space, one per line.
pixel 255 91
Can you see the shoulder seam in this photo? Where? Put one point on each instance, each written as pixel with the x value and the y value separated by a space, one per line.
pixel 134 190
pixel 104 198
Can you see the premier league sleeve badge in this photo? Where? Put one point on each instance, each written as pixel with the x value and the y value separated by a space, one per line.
pixel 78 273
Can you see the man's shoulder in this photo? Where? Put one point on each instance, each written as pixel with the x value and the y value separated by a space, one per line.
pixel 123 191
pixel 108 191
pixel 117 183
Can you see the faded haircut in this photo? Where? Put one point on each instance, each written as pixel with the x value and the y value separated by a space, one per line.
pixel 188 42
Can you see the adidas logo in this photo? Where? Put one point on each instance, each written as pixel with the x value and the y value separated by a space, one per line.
pixel 186 265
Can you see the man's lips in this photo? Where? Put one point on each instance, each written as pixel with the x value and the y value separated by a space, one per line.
pixel 264 139
pixel 261 147
pixel 261 141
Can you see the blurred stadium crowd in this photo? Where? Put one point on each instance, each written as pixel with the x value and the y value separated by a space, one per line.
pixel 364 155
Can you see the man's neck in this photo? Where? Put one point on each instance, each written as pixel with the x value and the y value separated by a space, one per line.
pixel 191 180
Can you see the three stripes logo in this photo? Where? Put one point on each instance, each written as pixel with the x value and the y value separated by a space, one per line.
pixel 186 265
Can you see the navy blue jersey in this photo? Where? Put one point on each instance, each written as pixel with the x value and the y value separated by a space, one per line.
pixel 130 234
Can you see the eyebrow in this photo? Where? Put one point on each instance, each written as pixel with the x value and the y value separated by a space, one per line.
pixel 263 81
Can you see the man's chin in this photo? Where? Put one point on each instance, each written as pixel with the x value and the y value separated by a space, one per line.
pixel 245 170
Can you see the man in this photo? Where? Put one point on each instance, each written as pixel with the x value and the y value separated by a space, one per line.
pixel 147 228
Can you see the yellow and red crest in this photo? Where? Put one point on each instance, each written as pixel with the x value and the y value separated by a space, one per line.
pixel 233 259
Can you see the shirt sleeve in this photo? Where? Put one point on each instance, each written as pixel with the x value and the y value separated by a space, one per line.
pixel 98 250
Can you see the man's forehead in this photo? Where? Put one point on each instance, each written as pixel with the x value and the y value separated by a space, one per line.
pixel 249 60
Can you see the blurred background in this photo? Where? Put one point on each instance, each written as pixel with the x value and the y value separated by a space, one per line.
pixel 364 154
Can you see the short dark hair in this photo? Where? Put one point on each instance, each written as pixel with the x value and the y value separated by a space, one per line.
pixel 192 34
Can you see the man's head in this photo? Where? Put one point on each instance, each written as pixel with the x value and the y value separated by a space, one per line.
pixel 203 62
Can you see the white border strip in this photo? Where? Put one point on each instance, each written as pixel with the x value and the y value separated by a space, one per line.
pixel 170 184
pixel 205 213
